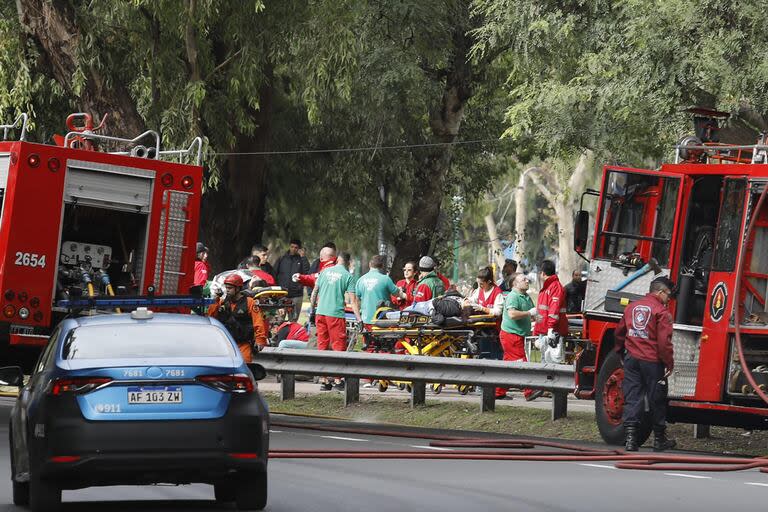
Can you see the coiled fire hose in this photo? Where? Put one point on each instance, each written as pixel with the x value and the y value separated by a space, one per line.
pixel 737 298
pixel 515 450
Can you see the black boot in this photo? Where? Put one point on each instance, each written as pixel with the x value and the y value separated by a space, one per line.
pixel 631 438
pixel 660 440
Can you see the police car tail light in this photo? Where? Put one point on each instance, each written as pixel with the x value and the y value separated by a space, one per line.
pixel 238 383
pixel 78 385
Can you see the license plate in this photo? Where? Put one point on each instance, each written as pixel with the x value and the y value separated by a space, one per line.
pixel 155 395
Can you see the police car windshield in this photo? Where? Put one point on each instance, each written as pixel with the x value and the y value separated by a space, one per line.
pixel 125 341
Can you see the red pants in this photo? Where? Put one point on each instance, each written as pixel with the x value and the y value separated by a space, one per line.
pixel 513 346
pixel 331 331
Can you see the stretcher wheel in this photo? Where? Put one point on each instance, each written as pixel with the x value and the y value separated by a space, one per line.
pixel 383 385
pixel 401 387
pixel 464 389
pixel 437 388
pixel 408 388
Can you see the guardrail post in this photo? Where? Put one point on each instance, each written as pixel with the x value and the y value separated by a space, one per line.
pixel 559 405
pixel 351 391
pixel 488 402
pixel 700 431
pixel 287 386
pixel 418 393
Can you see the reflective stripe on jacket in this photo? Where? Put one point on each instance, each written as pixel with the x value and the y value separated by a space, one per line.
pixel 551 308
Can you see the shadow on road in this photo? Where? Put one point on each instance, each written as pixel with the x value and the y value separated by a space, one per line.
pixel 143 505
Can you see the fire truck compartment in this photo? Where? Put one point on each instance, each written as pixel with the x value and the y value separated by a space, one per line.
pixel 756 355
pixel 118 235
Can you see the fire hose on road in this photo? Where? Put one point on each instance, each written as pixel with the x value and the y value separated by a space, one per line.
pixel 516 450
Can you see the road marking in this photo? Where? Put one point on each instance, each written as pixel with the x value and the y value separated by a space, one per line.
pixel 756 483
pixel 432 448
pixel 275 431
pixel 598 466
pixel 689 476
pixel 345 439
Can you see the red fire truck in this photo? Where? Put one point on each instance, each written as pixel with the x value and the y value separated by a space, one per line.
pixel 703 222
pixel 94 218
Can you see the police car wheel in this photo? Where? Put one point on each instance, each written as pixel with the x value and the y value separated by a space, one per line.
pixel 44 495
pixel 225 491
pixel 20 493
pixel 251 493
pixel 609 403
pixel 20 489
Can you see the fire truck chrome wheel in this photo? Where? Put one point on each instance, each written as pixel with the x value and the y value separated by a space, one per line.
pixel 609 403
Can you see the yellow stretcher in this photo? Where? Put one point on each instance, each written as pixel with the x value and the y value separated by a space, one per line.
pixel 415 334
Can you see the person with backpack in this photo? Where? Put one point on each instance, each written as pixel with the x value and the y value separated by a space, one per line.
pixel 241 316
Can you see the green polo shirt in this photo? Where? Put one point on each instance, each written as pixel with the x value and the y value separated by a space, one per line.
pixel 373 288
pixel 519 302
pixel 332 284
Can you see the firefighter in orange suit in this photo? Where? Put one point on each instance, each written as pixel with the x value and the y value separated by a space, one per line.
pixel 241 316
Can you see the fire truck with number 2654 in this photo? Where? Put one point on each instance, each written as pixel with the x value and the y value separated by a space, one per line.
pixel 703 222
pixel 94 221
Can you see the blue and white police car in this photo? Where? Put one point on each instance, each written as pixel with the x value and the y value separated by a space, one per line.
pixel 139 398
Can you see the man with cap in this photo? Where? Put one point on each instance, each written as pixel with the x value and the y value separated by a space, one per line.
pixel 241 316
pixel 430 286
pixel 645 331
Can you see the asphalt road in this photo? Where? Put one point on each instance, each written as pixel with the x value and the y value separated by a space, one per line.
pixel 430 485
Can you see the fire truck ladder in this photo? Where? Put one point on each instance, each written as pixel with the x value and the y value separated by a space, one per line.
pixel 174 224
pixel 749 154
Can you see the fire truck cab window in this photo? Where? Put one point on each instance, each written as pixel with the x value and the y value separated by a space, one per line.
pixel 729 229
pixel 638 215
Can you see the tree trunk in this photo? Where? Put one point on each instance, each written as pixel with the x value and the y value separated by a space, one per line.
pixel 521 213
pixel 562 198
pixel 493 236
pixel 53 26
pixel 232 216
pixel 567 263
pixel 429 180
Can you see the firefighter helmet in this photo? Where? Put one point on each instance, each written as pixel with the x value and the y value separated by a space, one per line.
pixel 234 280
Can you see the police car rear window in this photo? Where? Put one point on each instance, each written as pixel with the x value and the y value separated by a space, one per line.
pixel 146 340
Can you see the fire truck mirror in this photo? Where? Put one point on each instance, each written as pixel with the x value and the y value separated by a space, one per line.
pixel 580 231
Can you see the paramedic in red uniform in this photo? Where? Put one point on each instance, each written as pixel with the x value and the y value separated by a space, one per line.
pixel 645 331
pixel 202 267
pixel 488 299
pixel 407 285
pixel 550 306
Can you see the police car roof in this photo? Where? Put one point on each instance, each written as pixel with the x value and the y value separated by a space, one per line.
pixel 157 318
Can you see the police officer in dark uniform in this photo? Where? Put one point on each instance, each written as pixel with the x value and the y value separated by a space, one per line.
pixel 645 331
pixel 241 316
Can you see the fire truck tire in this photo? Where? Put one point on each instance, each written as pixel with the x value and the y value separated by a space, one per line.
pixel 609 403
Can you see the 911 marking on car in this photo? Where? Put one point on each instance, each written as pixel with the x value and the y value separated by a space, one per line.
pixel 155 395
pixel 108 408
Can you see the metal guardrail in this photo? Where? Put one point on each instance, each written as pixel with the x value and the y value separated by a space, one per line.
pixel 419 370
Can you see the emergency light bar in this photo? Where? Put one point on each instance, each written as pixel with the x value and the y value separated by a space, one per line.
pixel 134 302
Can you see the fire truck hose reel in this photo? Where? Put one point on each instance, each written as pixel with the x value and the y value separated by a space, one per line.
pixel 515 450
pixel 737 295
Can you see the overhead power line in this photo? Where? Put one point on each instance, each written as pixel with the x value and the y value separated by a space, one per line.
pixel 360 149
